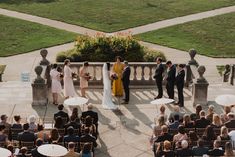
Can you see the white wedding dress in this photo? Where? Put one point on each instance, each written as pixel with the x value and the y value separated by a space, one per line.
pixel 107 102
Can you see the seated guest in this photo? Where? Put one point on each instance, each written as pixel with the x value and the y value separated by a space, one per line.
pixel 162 113
pixel 89 123
pixel 175 112
pixel 3 136
pixel 34 151
pixel 210 113
pixel 231 122
pixel 86 151
pixel 71 150
pixel 158 124
pixel 209 134
pixel 195 116
pixel 71 137
pixel 154 136
pixel 59 123
pixel 23 152
pixel 202 122
pixel 75 115
pixel 93 114
pixel 5 123
pixel 88 138
pixel 187 121
pixel 62 114
pixel 17 124
pixel 11 149
pixel 224 116
pixel 192 137
pixel 216 122
pixel 164 135
pixel 180 136
pixel 223 134
pixel 200 149
pixel 32 123
pixel 228 151
pixel 166 151
pixel 184 150
pixel 216 151
pixel 74 124
pixel 41 133
pixel 176 122
pixel 26 135
pixel 55 136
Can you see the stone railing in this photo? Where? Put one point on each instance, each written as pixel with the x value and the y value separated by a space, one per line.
pixel 141 73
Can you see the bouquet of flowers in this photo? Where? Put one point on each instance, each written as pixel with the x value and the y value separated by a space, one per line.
pixel 114 76
pixel 88 77
pixel 61 75
pixel 74 75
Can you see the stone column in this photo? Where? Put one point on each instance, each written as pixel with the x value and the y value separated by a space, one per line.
pixel 47 67
pixel 192 53
pixel 39 88
pixel 200 88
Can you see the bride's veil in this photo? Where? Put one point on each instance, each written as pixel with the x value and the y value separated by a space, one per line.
pixel 105 76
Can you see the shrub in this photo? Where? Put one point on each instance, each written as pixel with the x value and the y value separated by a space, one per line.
pixel 101 48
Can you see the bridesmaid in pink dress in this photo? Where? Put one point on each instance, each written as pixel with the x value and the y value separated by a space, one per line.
pixel 55 85
pixel 69 90
pixel 84 77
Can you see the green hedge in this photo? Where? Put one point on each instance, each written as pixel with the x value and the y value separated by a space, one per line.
pixel 101 49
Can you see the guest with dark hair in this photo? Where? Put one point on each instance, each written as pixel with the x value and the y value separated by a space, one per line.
pixel 5 123
pixel 71 137
pixel 118 67
pixel 88 138
pixel 93 114
pixel 73 122
pixel 41 133
pixel 59 123
pixel 84 77
pixel 55 136
pixel 23 152
pixel 86 151
pixel 17 124
pixel 176 122
pixel 200 149
pixel 209 134
pixel 164 135
pixel 202 122
pixel 180 136
pixel 196 116
pixel 170 79
pixel 3 136
pixel 34 151
pixel 89 123
pixel 187 121
pixel 216 151
pixel 26 135
pixel 11 149
pixel 192 136
pixel 62 114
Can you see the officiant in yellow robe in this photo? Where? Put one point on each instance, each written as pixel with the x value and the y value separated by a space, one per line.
pixel 117 84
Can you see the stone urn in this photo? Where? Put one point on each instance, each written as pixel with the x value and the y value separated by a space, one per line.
pixel 201 70
pixel 38 70
pixel 44 61
pixel 192 54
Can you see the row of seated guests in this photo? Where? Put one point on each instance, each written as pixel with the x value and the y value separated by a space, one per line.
pixel 184 143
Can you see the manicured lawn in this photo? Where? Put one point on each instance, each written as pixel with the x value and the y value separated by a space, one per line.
pixel 213 37
pixel 112 15
pixel 18 36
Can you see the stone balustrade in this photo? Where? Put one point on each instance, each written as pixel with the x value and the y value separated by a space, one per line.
pixel 141 73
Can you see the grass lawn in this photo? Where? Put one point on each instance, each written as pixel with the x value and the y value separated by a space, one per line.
pixel 112 15
pixel 213 37
pixel 19 36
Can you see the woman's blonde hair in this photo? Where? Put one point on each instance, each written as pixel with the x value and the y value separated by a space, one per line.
pixel 223 131
pixel 167 145
pixel 216 119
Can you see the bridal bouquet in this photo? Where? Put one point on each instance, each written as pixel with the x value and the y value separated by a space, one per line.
pixel 74 75
pixel 88 77
pixel 114 76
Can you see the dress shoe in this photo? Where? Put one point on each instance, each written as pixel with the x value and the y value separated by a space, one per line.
pixel 157 97
pixel 124 102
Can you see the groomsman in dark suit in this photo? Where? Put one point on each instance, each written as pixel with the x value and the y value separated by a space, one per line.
pixel 170 79
pixel 158 77
pixel 179 81
pixel 126 81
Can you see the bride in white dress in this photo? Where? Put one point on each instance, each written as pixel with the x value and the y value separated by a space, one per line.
pixel 107 102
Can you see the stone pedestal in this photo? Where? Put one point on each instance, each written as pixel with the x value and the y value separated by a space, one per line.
pixel 39 88
pixel 39 94
pixel 200 93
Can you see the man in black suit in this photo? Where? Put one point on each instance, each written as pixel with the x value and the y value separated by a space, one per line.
pixel 88 138
pixel 34 151
pixel 26 135
pixel 126 81
pixel 92 114
pixel 202 122
pixel 61 113
pixel 179 81
pixel 170 79
pixel 158 77
pixel 164 135
pixel 216 151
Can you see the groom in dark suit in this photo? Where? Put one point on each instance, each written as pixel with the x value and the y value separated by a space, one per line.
pixel 179 81
pixel 158 77
pixel 126 81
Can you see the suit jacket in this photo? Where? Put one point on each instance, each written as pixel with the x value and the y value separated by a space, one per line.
pixel 71 138
pixel 171 75
pixel 35 153
pixel 216 152
pixel 202 123
pixel 93 115
pixel 184 152
pixel 88 138
pixel 199 151
pixel 165 136
pixel 26 136
pixel 179 80
pixel 62 114
pixel 158 72
pixel 126 75
pixel 230 124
